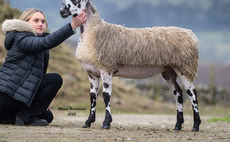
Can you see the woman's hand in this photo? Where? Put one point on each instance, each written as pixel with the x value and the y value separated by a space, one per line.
pixel 78 20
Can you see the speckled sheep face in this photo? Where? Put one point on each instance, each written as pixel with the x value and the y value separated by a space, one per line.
pixel 72 7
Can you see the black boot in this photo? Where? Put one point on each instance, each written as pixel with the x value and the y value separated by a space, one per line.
pixel 32 122
pixel 38 122
pixel 19 121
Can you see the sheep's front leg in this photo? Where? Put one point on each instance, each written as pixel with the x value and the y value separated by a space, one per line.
pixel 94 88
pixel 107 90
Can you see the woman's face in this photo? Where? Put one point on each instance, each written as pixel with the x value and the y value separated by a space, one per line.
pixel 37 21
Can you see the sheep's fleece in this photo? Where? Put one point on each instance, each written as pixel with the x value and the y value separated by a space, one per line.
pixel 108 45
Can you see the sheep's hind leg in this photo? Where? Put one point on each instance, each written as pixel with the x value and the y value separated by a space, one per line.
pixel 94 88
pixel 192 93
pixel 107 90
pixel 170 77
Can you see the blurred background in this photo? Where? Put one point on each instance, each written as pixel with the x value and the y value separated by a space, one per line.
pixel 208 19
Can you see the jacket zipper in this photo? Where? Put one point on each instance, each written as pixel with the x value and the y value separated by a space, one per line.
pixel 39 81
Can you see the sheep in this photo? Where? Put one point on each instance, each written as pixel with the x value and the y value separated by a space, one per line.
pixel 107 50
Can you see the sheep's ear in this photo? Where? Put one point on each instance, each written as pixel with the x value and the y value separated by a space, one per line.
pixel 75 2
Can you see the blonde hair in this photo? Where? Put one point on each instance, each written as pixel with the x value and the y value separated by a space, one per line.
pixel 28 13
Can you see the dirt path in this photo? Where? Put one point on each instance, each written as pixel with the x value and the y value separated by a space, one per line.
pixel 143 128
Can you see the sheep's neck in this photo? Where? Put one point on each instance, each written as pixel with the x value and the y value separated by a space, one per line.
pixel 92 20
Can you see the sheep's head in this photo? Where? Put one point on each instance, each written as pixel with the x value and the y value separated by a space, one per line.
pixel 72 7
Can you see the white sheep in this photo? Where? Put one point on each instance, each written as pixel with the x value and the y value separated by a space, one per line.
pixel 106 50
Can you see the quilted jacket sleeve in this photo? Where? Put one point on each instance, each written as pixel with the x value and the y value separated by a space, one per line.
pixel 30 43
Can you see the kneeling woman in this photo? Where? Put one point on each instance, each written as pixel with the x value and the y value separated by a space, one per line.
pixel 26 90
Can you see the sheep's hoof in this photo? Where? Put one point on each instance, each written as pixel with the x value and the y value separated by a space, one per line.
pixel 195 127
pixel 88 122
pixel 106 127
pixel 85 126
pixel 178 126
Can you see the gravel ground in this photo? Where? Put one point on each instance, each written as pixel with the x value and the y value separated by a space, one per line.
pixel 125 127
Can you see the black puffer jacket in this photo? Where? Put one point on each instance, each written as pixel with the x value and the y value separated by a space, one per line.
pixel 27 58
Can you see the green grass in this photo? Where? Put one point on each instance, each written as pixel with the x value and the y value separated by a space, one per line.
pixel 219 120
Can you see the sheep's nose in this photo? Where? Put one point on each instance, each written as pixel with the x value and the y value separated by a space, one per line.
pixel 62 10
pixel 62 13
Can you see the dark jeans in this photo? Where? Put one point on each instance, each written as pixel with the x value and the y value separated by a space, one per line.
pixel 10 108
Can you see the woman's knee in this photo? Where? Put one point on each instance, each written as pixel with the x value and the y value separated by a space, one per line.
pixel 58 79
